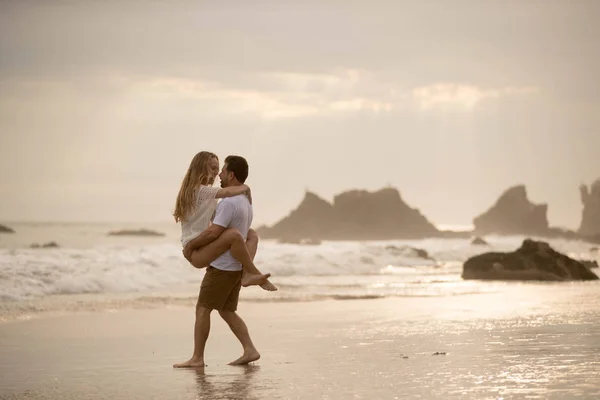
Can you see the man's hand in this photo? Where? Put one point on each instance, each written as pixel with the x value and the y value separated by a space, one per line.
pixel 209 235
pixel 187 252
pixel 249 195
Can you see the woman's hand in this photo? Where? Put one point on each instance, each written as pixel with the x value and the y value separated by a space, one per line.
pixel 249 194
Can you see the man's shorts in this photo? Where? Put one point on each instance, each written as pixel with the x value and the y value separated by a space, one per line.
pixel 220 290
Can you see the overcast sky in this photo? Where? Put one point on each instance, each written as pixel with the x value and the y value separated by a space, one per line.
pixel 102 106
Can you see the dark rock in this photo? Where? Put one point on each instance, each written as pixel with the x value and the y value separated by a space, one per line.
pixel 590 263
pixel 532 261
pixel 439 353
pixel 454 234
pixel 311 242
pixel 379 215
pixel 513 213
pixel 354 215
pixel 421 253
pixel 590 216
pixel 554 232
pixel 135 232
pixel 305 221
pixel 478 241
pixel 594 249
pixel 394 249
pixel 408 251
pixel 47 245
pixel 592 238
pixel 288 241
pixel 6 229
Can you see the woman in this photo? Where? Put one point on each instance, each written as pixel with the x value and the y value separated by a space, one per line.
pixel 195 208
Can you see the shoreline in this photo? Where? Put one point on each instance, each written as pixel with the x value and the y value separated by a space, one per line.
pixel 464 347
pixel 186 296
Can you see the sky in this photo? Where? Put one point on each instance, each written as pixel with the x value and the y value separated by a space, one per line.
pixel 104 104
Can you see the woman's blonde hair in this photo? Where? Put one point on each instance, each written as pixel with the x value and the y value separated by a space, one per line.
pixel 197 174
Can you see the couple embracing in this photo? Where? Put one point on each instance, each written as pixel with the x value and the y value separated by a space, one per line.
pixel 217 236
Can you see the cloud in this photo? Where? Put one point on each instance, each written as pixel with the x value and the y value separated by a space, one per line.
pixel 294 95
pixel 268 96
pixel 272 96
pixel 461 96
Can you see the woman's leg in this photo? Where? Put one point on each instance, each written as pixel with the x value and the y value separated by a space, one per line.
pixel 232 240
pixel 252 245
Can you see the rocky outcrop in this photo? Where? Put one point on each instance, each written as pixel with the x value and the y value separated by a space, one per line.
pixel 5 229
pixel 590 218
pixel 513 214
pixel 310 217
pixel 478 241
pixel 532 261
pixel 592 239
pixel 379 215
pixel 408 251
pixel 135 232
pixel 354 215
pixel 48 245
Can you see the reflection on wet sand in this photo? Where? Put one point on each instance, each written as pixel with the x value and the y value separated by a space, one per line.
pixel 231 383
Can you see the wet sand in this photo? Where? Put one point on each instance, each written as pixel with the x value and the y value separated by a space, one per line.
pixel 487 345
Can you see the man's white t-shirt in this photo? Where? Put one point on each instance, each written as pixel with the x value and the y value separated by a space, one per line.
pixel 233 212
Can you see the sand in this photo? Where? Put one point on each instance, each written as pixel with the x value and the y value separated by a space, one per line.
pixel 489 346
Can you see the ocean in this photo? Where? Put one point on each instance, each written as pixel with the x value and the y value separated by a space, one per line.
pixel 104 317
pixel 93 271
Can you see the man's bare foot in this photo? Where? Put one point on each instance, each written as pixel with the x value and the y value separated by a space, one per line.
pixel 254 279
pixel 191 363
pixel 247 357
pixel 268 286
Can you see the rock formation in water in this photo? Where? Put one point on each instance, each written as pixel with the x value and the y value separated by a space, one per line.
pixel 5 229
pixel 590 218
pixel 308 221
pixel 513 214
pixel 354 215
pixel 48 245
pixel 532 261
pixel 479 241
pixel 409 251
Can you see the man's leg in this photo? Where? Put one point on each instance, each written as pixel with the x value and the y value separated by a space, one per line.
pixel 214 292
pixel 240 330
pixel 237 325
pixel 201 331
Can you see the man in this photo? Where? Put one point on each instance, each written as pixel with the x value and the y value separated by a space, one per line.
pixel 222 281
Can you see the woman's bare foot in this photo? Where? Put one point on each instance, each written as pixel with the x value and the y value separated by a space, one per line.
pixel 247 357
pixel 191 363
pixel 254 279
pixel 268 286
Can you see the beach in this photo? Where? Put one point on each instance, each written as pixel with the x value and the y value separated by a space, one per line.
pixel 526 341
